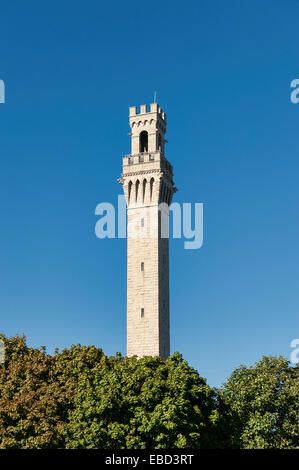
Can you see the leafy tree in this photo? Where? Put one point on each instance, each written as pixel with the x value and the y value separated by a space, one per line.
pixel 83 399
pixel 80 398
pixel 29 398
pixel 145 403
pixel 36 393
pixel 262 405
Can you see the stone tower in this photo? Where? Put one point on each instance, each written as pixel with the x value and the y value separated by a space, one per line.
pixel 147 182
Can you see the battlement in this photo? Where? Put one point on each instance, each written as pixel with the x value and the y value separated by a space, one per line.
pixel 154 108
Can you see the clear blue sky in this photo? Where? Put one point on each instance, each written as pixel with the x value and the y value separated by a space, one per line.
pixel 222 71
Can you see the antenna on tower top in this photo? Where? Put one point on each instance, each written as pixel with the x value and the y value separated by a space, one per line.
pixel 155 96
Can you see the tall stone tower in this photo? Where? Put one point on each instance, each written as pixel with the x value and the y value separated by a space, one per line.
pixel 147 182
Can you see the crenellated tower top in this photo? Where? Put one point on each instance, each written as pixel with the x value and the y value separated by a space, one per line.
pixel 148 129
pixel 147 166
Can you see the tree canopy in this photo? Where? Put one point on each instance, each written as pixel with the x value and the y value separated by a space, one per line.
pixel 81 398
pixel 263 404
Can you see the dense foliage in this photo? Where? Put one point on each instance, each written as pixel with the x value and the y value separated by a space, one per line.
pixel 263 404
pixel 80 398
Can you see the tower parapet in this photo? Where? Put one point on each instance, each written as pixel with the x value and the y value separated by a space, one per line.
pixel 147 129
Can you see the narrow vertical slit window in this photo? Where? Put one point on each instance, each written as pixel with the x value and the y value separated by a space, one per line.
pixel 142 266
pixel 137 188
pixel 142 222
pixel 151 188
pixel 142 313
pixel 144 189
pixel 129 191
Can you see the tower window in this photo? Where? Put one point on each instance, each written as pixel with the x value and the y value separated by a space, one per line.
pixel 137 189
pixel 142 313
pixel 142 266
pixel 151 157
pixel 142 223
pixel 141 158
pixel 143 141
pixel 130 160
pixel 130 190
pixel 143 189
pixel 151 188
pixel 160 143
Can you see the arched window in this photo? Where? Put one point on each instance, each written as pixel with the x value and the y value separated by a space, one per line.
pixel 137 189
pixel 151 188
pixel 130 190
pixel 144 188
pixel 143 141
pixel 160 143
